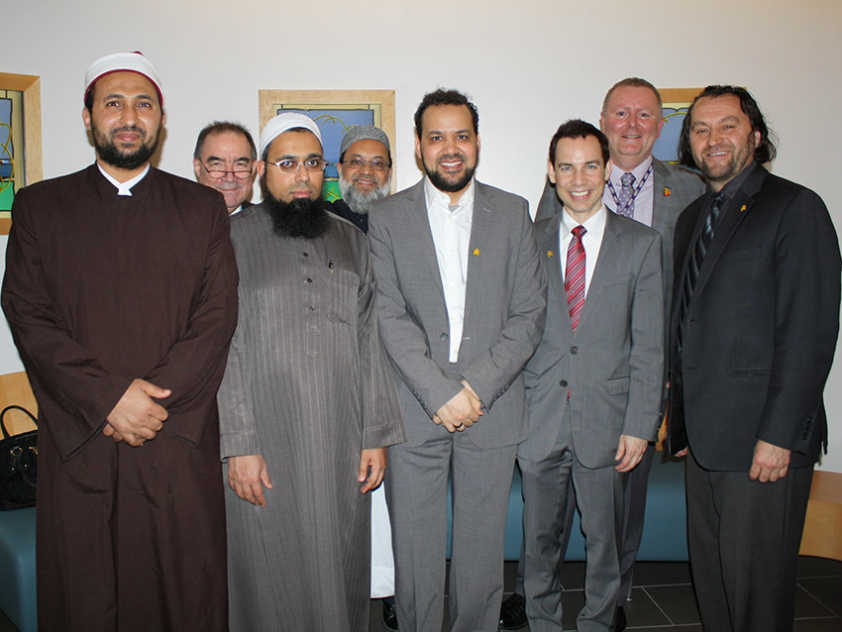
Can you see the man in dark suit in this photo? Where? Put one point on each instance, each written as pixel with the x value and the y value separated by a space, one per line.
pixel 461 302
pixel 225 159
pixel 594 383
pixel 754 327
pixel 654 195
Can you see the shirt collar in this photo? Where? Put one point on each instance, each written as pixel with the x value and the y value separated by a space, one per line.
pixel 637 172
pixel 441 198
pixel 592 224
pixel 123 188
pixel 731 188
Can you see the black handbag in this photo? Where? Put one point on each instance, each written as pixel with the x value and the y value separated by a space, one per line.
pixel 18 465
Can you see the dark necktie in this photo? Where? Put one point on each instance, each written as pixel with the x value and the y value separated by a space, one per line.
pixel 574 276
pixel 697 257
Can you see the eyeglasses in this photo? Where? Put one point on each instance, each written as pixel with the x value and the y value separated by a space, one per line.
pixel 240 172
pixel 291 165
pixel 377 164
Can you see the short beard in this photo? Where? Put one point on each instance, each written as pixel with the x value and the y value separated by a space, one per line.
pixel 111 155
pixel 444 185
pixel 302 217
pixel 361 202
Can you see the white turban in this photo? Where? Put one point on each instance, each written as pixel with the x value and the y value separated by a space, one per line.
pixel 283 123
pixel 118 62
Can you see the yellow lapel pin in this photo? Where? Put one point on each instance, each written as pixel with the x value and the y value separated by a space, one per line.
pixel 476 252
pixel 667 192
pixel 743 208
pixel 549 253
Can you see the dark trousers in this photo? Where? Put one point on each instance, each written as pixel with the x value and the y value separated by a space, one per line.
pixel 743 538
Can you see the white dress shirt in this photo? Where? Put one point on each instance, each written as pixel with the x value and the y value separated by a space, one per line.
pixel 450 225
pixel 644 200
pixel 124 188
pixel 591 241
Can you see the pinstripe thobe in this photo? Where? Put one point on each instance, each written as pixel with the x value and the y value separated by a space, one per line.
pixel 307 387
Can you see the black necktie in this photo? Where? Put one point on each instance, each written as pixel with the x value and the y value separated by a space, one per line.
pixel 697 257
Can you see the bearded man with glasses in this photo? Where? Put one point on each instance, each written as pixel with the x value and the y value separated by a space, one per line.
pixel 225 159
pixel 307 404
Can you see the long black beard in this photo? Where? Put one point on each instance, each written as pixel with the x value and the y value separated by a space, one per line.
pixel 302 217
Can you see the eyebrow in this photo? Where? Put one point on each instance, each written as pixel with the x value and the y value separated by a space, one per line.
pixel 219 158
pixel 116 95
pixel 296 157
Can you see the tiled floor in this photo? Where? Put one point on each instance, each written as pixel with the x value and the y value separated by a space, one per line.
pixel 662 598
pixel 663 601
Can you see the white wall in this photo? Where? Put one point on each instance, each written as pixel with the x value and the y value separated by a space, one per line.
pixel 528 65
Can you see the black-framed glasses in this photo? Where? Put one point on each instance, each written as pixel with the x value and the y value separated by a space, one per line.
pixel 241 172
pixel 376 164
pixel 291 165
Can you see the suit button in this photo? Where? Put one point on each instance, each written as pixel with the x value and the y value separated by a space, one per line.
pixel 563 383
pixel 574 350
pixel 443 337
pixel 309 280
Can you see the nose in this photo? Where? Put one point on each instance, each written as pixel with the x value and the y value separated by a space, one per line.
pixel 366 167
pixel 128 115
pixel 301 173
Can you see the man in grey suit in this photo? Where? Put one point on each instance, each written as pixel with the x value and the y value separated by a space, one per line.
pixel 655 195
pixel 461 304
pixel 594 383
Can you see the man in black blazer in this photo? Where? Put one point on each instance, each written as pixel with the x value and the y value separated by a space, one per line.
pixel 754 326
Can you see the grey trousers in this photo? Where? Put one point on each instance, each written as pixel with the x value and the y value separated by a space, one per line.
pixel 416 490
pixel 599 496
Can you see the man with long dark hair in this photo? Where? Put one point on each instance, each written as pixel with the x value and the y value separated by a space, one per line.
pixel 754 326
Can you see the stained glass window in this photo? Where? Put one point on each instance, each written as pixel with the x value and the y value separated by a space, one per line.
pixel 12 174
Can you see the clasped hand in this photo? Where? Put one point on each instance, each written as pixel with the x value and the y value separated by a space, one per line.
pixel 137 417
pixel 461 411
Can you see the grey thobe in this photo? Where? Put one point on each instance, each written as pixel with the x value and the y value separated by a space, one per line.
pixel 307 387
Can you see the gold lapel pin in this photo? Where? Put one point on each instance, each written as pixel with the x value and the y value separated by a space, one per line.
pixel 549 253
pixel 476 252
pixel 743 208
pixel 667 192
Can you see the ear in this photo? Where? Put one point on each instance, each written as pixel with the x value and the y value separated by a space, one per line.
pixel 339 167
pixel 478 143
pixel 197 168
pixel 602 122
pixel 608 167
pixel 757 138
pixel 551 172
pixel 418 148
pixel 86 118
pixel 660 126
pixel 261 167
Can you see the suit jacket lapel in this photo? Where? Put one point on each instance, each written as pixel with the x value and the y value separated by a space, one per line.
pixel 548 249
pixel 482 225
pixel 421 249
pixel 736 210
pixel 606 263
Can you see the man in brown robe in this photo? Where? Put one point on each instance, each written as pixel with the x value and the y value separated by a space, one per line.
pixel 307 405
pixel 120 292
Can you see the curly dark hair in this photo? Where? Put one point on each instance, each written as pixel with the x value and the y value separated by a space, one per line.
pixel 766 150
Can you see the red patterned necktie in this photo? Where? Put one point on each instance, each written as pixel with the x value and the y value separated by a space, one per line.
pixel 574 277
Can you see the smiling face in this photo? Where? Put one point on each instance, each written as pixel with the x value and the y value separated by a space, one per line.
pixel 125 121
pixel 579 175
pixel 224 152
pixel 295 145
pixel 632 122
pixel 721 138
pixel 448 148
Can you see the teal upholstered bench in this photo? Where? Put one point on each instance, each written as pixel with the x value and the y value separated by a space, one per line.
pixel 664 532
pixel 17 568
